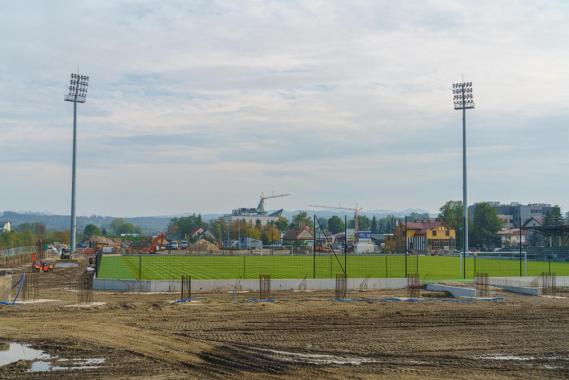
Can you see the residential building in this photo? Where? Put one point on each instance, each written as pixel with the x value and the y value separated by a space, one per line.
pixel 201 233
pixel 510 237
pixel 298 237
pixel 424 237
pixel 512 213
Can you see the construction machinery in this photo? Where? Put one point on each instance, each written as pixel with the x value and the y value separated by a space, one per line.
pixel 157 241
pixel 42 266
pixel 356 211
pixel 261 206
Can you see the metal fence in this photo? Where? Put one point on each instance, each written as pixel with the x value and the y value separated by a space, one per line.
pixel 319 265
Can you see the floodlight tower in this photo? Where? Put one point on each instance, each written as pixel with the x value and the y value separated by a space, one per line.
pixel 77 94
pixel 463 100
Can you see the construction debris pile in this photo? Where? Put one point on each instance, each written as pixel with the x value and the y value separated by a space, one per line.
pixel 203 245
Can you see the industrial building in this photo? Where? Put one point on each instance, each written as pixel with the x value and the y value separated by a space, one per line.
pixel 255 215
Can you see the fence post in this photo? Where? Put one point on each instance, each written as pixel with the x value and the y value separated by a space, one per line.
pixel 549 263
pixel 139 267
pixel 417 262
pixel 406 246
pixel 346 245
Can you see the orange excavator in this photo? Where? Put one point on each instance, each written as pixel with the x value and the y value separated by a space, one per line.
pixel 156 243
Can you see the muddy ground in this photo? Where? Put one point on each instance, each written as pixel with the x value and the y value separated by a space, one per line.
pixel 300 335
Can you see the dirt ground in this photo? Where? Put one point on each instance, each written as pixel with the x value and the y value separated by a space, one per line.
pixel 299 335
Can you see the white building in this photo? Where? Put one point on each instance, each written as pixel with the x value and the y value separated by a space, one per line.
pixel 7 227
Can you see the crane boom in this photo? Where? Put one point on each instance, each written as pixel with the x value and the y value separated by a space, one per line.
pixel 261 206
pixel 356 211
pixel 336 207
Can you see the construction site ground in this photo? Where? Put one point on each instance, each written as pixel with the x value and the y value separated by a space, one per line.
pixel 298 335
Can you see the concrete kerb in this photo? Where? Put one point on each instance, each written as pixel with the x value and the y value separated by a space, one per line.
pixel 240 285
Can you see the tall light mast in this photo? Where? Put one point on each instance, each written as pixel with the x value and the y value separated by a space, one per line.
pixel 463 100
pixel 77 94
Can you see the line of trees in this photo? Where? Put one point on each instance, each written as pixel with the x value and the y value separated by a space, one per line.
pixel 25 234
pixel 484 223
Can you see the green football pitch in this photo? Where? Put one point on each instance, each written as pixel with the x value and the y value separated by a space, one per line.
pixel 149 267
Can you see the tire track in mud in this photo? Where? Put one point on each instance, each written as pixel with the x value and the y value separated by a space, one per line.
pixel 295 338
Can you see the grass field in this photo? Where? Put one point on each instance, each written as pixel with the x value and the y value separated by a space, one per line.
pixel 249 267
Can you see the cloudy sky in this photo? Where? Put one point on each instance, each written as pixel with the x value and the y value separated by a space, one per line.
pixel 203 105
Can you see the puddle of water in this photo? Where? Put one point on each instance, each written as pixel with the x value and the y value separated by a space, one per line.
pixel 318 358
pixel 42 361
pixel 507 357
pixel 16 351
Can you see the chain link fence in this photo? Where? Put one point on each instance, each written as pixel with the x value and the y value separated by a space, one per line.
pixel 325 265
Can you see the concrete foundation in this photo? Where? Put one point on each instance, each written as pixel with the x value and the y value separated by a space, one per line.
pixel 455 291
pixel 246 285
pixel 527 281
pixel 521 290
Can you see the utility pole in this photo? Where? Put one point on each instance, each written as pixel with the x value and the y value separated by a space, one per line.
pixel 463 100
pixel 77 94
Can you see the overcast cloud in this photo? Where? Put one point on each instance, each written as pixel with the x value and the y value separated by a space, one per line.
pixel 201 105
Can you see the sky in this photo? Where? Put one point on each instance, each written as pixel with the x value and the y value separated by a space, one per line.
pixel 199 106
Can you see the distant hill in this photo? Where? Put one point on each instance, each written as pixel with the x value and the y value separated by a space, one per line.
pixel 148 224
pixel 151 225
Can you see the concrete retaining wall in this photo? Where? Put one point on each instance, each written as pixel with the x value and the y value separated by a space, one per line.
pixel 247 285
pixel 456 291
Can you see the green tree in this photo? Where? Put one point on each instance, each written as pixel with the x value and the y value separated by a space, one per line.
pixel 301 220
pixel 418 216
pixel 91 230
pixel 374 226
pixel 451 214
pixel 270 234
pixel 322 222
pixel 484 226
pixel 281 223
pixel 181 227
pixel 364 223
pixel 553 217
pixel 16 239
pixel 335 224
pixel 218 227
pixel 26 227
pixel 386 225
